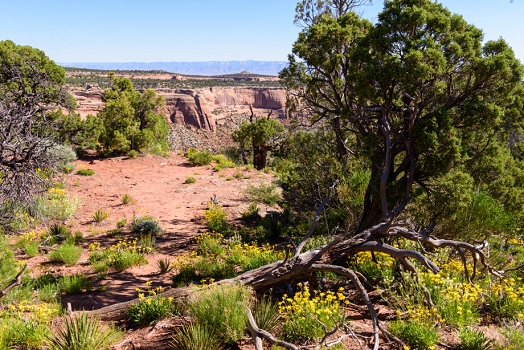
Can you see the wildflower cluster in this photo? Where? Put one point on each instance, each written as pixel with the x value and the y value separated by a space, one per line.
pixel 57 204
pixel 214 259
pixel 37 312
pixel 380 269
pixel 150 307
pixel 507 298
pixel 123 254
pixel 307 313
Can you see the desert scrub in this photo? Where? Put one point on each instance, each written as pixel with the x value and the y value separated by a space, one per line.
pixel 85 172
pixel 119 256
pixel 190 180
pixel 208 305
pixel 127 199
pixel 72 284
pixel 146 225
pixel 195 336
pixel 417 335
pixel 199 157
pixel 303 312
pixel 215 259
pixel 266 193
pixel 150 307
pixel 56 204
pixel 222 162
pixel 83 333
pixel 66 253
pixel 100 216
pixel 215 218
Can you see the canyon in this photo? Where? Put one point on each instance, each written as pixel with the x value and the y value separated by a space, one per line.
pixel 199 108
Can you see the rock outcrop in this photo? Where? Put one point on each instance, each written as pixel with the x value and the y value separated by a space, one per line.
pixel 195 107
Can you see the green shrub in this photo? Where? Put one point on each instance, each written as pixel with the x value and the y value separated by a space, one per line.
pixel 82 333
pixel 132 154
pixel 164 266
pixel 263 193
pixel 100 215
pixel 22 334
pixel 121 223
pixel 251 212
pixel 474 340
pixel 417 335
pixel 66 253
pixel 59 230
pixel 327 307
pixel 85 172
pixel 222 162
pixel 195 336
pixel 190 180
pixel 74 284
pixel 209 305
pixel 199 157
pixel 120 256
pixel 145 226
pixel 150 308
pixel 127 199
pixel 514 339
pixel 215 218
pixel 56 204
pixel 266 315
pixel 68 168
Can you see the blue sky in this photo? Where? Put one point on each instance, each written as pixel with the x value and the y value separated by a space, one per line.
pixel 204 30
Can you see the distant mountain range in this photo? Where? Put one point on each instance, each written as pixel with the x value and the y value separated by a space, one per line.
pixel 189 68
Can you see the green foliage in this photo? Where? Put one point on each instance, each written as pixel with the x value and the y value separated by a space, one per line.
pixel 208 306
pixel 303 312
pixel 266 193
pixel 458 132
pixel 56 204
pixel 260 136
pixel 164 266
pixel 415 334
pixel 215 218
pixel 8 267
pixel 31 93
pixel 120 256
pixel 85 172
pixel 199 157
pixel 127 199
pixel 121 223
pixel 190 180
pixel 100 215
pixel 66 253
pixel 195 336
pixel 150 308
pixel 265 313
pixel 222 162
pixel 514 339
pixel 82 333
pixel 20 334
pixel 130 119
pixel 474 340
pixel 146 226
pixel 73 284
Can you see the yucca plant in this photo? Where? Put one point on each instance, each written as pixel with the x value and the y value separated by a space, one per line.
pixel 100 215
pixel 266 314
pixel 127 199
pixel 196 337
pixel 164 265
pixel 82 333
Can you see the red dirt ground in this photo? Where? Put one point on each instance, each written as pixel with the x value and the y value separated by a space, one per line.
pixel 157 186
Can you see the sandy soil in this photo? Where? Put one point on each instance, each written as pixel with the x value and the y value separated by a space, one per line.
pixel 157 186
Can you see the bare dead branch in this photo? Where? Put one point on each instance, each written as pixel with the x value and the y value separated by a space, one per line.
pixel 16 281
pixel 311 227
pixel 259 333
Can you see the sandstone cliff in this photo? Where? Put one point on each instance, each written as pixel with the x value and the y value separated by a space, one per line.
pixel 195 107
